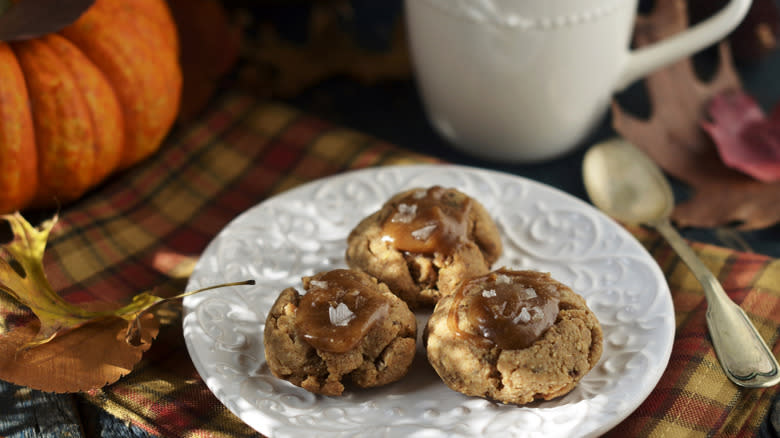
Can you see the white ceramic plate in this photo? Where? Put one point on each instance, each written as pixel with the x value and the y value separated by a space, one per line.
pixel 303 231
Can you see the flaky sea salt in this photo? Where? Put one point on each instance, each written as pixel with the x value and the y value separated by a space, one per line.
pixel 524 316
pixel 340 315
pixel 503 279
pixel 536 314
pixel 319 284
pixel 499 310
pixel 489 293
pixel 424 233
pixel 419 194
pixel 405 214
pixel 529 293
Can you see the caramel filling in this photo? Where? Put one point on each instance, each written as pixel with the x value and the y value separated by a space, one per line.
pixel 427 221
pixel 338 309
pixel 510 309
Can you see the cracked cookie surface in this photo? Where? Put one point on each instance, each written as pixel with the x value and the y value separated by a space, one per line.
pixel 473 360
pixel 422 242
pixel 348 327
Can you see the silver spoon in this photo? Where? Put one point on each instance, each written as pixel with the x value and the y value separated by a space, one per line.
pixel 624 183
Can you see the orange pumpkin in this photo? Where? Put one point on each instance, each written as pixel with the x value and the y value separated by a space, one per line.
pixel 80 104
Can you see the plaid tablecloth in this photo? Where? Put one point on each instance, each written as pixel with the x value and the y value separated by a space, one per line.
pixel 244 151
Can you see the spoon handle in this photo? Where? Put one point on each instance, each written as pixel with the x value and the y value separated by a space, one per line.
pixel 742 353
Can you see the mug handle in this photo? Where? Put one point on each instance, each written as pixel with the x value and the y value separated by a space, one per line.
pixel 643 61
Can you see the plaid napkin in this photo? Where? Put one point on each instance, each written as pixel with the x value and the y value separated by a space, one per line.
pixel 694 398
pixel 244 151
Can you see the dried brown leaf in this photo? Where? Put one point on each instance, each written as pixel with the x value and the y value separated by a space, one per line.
pixel 91 357
pixel 674 139
pixel 69 347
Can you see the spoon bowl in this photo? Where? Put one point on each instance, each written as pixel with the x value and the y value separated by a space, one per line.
pixel 623 182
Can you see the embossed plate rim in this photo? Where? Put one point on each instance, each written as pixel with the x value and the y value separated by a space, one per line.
pixel 225 360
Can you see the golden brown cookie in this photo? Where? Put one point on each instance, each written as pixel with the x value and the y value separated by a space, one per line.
pixel 423 242
pixel 514 337
pixel 346 328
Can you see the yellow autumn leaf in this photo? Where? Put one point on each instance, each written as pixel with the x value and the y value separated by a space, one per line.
pixel 22 276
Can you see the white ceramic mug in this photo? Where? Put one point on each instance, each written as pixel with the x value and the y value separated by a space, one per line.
pixel 528 80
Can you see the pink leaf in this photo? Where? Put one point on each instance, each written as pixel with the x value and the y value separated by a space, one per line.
pixel 745 138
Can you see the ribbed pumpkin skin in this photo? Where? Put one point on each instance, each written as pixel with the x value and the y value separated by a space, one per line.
pixel 18 156
pixel 76 106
